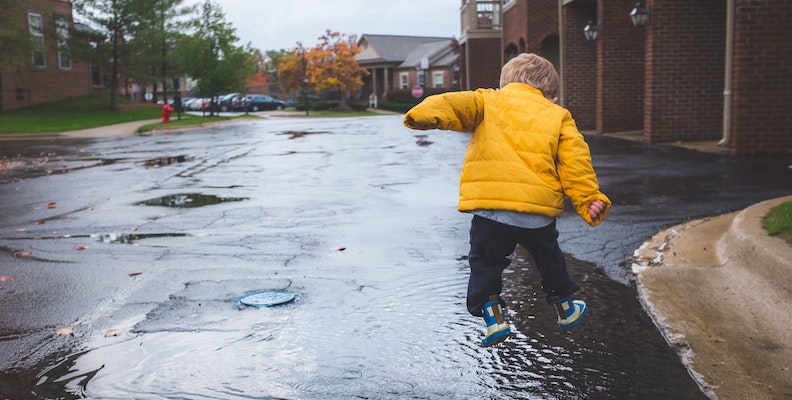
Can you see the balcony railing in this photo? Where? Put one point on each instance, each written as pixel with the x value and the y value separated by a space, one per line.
pixel 481 15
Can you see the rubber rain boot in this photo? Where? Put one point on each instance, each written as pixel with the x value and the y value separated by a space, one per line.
pixel 570 312
pixel 497 329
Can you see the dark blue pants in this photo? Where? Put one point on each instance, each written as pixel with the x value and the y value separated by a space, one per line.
pixel 491 244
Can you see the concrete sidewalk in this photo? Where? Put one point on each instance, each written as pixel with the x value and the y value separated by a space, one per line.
pixel 718 289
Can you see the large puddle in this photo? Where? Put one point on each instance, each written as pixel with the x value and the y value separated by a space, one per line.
pixel 403 340
pixel 358 221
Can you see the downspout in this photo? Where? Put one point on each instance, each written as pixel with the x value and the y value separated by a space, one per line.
pixel 560 54
pixel 727 80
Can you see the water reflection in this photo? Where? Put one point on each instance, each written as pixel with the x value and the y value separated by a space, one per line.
pixel 131 238
pixel 408 338
pixel 189 200
pixel 167 160
pixel 299 134
pixel 422 140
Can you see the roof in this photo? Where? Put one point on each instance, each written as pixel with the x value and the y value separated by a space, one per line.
pixel 397 49
pixel 438 53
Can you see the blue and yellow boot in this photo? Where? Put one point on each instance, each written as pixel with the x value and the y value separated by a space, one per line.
pixel 497 329
pixel 570 312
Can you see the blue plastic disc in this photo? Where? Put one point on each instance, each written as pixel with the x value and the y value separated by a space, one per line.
pixel 267 298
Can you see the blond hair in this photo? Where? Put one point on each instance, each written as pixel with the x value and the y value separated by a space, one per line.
pixel 533 70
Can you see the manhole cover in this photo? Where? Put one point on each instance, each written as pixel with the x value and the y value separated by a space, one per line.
pixel 267 298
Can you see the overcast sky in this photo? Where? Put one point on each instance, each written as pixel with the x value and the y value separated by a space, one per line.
pixel 275 25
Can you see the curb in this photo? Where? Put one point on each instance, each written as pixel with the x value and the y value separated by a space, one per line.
pixel 748 245
pixel 716 288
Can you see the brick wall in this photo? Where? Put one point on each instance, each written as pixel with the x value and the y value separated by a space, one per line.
pixel 41 85
pixel 685 70
pixel 542 21
pixel 580 65
pixel 515 29
pixel 762 92
pixel 481 61
pixel 620 69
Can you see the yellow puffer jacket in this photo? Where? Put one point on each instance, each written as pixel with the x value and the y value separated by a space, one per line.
pixel 525 154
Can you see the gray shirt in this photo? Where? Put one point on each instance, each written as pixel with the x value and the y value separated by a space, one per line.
pixel 515 218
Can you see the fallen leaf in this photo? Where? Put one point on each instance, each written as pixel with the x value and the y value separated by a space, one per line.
pixel 6 278
pixel 339 248
pixel 51 204
pixel 65 331
pixel 80 247
pixel 135 273
pixel 24 253
pixel 41 222
pixel 113 332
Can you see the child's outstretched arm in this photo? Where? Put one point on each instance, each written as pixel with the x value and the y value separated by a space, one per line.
pixel 456 111
pixel 577 175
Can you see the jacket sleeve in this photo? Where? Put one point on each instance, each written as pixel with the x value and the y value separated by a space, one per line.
pixel 576 172
pixel 455 111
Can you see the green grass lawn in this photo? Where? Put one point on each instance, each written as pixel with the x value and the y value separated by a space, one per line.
pixel 92 111
pixel 73 114
pixel 778 222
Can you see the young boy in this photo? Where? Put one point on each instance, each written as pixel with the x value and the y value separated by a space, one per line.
pixel 525 155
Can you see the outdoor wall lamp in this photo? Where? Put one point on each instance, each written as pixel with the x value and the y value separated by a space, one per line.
pixel 590 30
pixel 640 14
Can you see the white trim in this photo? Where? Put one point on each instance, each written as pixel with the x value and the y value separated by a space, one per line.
pixel 438 83
pixel 62 34
pixel 37 31
pixel 404 80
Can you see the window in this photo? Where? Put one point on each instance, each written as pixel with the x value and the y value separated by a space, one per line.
pixel 36 28
pixel 62 32
pixel 422 78
pixel 96 75
pixel 403 80
pixel 437 79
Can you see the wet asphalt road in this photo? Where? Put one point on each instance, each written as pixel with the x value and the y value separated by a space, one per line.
pixel 150 239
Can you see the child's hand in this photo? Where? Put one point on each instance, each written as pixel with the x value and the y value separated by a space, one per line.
pixel 595 208
pixel 413 124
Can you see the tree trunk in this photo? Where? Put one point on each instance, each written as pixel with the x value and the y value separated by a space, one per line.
pixel 1 92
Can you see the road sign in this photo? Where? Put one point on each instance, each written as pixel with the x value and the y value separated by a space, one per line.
pixel 417 91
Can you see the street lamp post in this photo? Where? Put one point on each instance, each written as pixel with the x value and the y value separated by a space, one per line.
pixel 305 93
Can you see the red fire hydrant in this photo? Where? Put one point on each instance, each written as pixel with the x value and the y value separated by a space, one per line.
pixel 167 110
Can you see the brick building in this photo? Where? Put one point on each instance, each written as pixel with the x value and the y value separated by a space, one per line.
pixel 397 62
pixel 52 73
pixel 705 70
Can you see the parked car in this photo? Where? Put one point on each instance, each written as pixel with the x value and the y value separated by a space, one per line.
pixel 229 102
pixel 259 102
pixel 196 104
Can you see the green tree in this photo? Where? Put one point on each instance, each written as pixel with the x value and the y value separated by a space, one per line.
pixel 272 61
pixel 115 22
pixel 15 40
pixel 157 24
pixel 211 56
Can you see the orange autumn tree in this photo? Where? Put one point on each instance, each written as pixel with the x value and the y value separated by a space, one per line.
pixel 292 70
pixel 332 66
pixel 258 84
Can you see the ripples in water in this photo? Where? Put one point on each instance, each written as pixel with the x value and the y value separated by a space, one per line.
pixel 406 336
